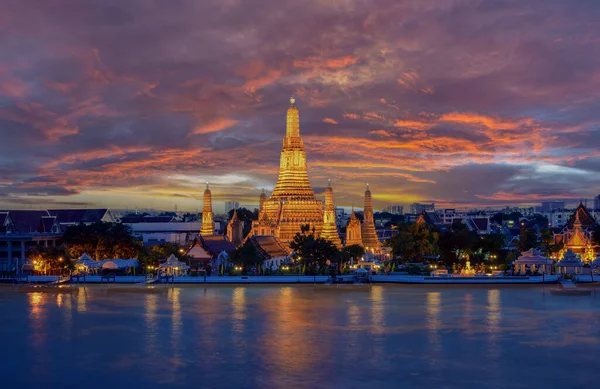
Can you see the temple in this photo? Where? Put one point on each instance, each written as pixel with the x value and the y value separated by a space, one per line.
pixel 208 226
pixel 353 227
pixel 292 203
pixel 329 230
pixel 369 235
pixel 235 229
pixel 576 235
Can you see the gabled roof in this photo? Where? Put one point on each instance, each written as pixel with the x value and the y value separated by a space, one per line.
pixel 585 217
pixel 47 223
pixel 77 216
pixel 215 244
pixel 432 219
pixel 269 246
pixel 26 221
pixel 481 223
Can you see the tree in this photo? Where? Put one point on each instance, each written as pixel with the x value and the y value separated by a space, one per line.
pixel 247 257
pixel 312 253
pixel 151 256
pixel 596 235
pixel 52 258
pixel 246 216
pixel 527 238
pixel 354 251
pixel 454 245
pixel 413 242
pixel 101 241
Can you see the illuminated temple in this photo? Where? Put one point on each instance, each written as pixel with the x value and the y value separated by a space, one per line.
pixel 576 235
pixel 293 204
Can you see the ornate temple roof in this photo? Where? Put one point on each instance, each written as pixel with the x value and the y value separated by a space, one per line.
pixel 585 218
pixel 269 246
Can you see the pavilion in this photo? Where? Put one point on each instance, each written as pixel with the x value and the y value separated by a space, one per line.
pixel 533 260
pixel 570 263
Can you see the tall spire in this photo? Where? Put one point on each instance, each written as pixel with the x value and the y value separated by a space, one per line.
pixel 329 230
pixel 293 176
pixel 208 226
pixel 369 235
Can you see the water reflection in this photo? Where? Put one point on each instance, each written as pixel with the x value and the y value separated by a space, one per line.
pixel 494 315
pixel 377 307
pixel 238 303
pixel 467 311
pixel 81 300
pixel 150 317
pixel 434 324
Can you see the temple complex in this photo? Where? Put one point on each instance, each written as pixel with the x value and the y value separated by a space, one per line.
pixel 329 230
pixel 576 235
pixel 368 233
pixel 292 203
pixel 208 226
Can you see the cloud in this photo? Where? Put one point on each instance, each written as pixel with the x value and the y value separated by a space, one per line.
pixel 457 101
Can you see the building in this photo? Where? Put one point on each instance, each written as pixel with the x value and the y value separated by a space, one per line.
pixel 73 217
pixel 272 251
pixel 153 232
pixel 231 205
pixel 292 203
pixel 208 225
pixel 23 231
pixel 369 235
pixel 597 203
pixel 235 230
pixel 395 209
pixel 549 206
pixel 353 231
pixel 576 235
pixel 209 248
pixel 418 208
pixel 329 230
pixel 432 219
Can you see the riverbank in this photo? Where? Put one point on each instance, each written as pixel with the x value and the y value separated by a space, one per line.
pixel 290 280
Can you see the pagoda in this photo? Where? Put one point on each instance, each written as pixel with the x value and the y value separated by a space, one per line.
pixel 235 229
pixel 292 203
pixel 208 226
pixel 353 228
pixel 329 230
pixel 369 235
pixel 577 235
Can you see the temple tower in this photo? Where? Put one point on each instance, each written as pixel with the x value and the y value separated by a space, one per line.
pixel 208 225
pixel 369 235
pixel 353 235
pixel 235 229
pixel 329 230
pixel 292 203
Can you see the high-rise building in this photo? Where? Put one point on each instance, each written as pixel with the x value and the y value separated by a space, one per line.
pixel 231 205
pixel 417 208
pixel 208 226
pixel 395 209
pixel 549 206
pixel 597 203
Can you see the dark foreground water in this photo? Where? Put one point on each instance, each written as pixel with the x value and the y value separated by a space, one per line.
pixel 300 337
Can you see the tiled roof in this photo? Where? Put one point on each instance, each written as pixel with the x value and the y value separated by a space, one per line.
pixel 77 216
pixel 46 224
pixel 586 219
pixel 215 244
pixel 481 223
pixel 269 246
pixel 26 221
pixel 147 219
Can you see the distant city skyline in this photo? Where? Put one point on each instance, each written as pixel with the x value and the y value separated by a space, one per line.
pixel 459 103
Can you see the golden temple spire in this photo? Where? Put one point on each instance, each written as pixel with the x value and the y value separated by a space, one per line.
pixel 369 235
pixel 208 226
pixel 292 123
pixel 329 230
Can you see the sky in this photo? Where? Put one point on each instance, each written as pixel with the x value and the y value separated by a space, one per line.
pixel 135 104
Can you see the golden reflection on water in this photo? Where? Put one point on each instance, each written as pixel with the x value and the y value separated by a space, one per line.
pixel 150 317
pixel 377 310
pixel 238 303
pixel 289 349
pixel 433 322
pixel 81 300
pixel 494 315
pixel 37 318
pixel 467 311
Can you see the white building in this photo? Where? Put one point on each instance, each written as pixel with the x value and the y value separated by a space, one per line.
pixel 182 233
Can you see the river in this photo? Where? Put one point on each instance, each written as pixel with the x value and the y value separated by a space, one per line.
pixel 300 337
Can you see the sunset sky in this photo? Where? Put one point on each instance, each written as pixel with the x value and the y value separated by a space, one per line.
pixel 136 103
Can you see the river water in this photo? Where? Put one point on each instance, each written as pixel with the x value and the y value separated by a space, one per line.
pixel 300 337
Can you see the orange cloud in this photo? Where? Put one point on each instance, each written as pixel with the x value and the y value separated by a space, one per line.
pixel 352 116
pixel 330 121
pixel 214 126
